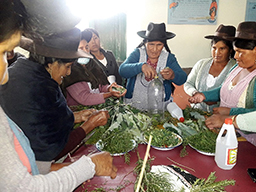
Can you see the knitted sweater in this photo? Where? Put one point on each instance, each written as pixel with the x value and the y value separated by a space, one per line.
pixel 197 79
pixel 15 177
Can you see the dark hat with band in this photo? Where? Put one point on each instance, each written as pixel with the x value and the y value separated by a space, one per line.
pixel 156 32
pixel 246 30
pixel 60 45
pixel 50 16
pixel 223 32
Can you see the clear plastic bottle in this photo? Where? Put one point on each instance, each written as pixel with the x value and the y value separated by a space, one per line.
pixel 226 146
pixel 175 111
pixel 156 96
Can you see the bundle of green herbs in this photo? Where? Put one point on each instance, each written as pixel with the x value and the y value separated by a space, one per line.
pixel 162 138
pixel 204 141
pixel 158 182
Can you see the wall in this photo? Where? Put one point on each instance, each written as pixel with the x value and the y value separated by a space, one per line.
pixel 189 45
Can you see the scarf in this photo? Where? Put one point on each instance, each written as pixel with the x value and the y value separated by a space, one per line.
pixel 24 142
pixel 91 72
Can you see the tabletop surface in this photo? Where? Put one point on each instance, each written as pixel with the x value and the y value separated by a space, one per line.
pixel 195 163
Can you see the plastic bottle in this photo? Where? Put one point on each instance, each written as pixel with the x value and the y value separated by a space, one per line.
pixel 226 146
pixel 175 111
pixel 156 96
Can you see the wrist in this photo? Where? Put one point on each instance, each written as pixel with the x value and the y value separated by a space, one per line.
pixel 234 121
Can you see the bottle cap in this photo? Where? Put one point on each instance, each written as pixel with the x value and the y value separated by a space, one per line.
pixel 228 121
pixel 182 119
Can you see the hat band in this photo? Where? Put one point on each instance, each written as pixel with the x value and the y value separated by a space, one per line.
pixel 218 34
pixel 245 35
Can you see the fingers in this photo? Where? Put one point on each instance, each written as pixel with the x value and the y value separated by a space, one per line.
pixel 167 73
pixel 148 71
pixel 114 172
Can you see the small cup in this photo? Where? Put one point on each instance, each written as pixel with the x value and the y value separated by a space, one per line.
pixel 111 79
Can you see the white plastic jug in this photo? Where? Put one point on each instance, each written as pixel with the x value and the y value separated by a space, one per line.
pixel 226 146
pixel 175 111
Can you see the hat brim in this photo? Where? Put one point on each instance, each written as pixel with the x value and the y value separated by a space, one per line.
pixel 237 38
pixel 40 49
pixel 213 36
pixel 169 35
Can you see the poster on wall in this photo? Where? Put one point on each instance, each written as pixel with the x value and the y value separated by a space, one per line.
pixel 196 12
pixel 250 10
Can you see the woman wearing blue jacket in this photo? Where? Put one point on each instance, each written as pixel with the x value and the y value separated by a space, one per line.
pixel 148 60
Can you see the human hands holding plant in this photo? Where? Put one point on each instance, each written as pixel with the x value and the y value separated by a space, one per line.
pixel 98 118
pixel 104 164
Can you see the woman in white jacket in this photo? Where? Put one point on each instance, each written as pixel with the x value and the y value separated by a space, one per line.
pixel 209 73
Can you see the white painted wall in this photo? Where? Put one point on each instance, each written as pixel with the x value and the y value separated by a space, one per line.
pixel 189 45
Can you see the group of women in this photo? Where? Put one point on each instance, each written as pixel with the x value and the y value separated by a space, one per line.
pixel 70 67
pixel 236 92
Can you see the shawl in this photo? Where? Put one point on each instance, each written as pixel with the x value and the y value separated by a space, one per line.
pixel 91 72
pixel 34 101
pixel 24 142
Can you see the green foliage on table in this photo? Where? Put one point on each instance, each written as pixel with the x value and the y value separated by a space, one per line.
pixel 151 182
pixel 117 141
pixel 162 138
pixel 204 141
pixel 158 182
pixel 210 184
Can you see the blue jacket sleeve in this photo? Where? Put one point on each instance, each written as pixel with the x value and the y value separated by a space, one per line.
pixel 212 95
pixel 180 75
pixel 131 66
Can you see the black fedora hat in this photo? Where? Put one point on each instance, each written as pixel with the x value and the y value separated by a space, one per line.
pixel 60 45
pixel 223 32
pixel 156 32
pixel 246 30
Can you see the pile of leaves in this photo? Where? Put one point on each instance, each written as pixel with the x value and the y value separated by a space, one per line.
pixel 158 182
pixel 162 138
pixel 125 124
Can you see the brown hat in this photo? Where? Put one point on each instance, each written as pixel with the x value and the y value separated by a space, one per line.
pixel 50 16
pixel 246 30
pixel 222 32
pixel 156 32
pixel 60 45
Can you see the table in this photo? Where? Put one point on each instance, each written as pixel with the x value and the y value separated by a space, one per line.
pixel 203 166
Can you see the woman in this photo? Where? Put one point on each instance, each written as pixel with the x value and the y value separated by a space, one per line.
pixel 147 61
pixel 211 72
pixel 105 58
pixel 16 155
pixel 88 84
pixel 237 94
pixel 41 109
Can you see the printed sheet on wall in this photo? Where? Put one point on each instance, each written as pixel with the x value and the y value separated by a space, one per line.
pixel 250 10
pixel 195 12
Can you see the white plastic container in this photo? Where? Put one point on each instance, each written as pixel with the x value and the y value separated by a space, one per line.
pixel 226 146
pixel 175 111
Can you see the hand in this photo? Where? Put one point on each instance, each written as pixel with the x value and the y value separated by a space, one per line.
pixel 96 119
pixel 197 98
pixel 104 164
pixel 221 110
pixel 167 73
pixel 215 121
pixel 148 71
pixel 57 166
pixel 83 116
pixel 116 93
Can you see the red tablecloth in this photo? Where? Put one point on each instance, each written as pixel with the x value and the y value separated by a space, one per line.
pixel 203 166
